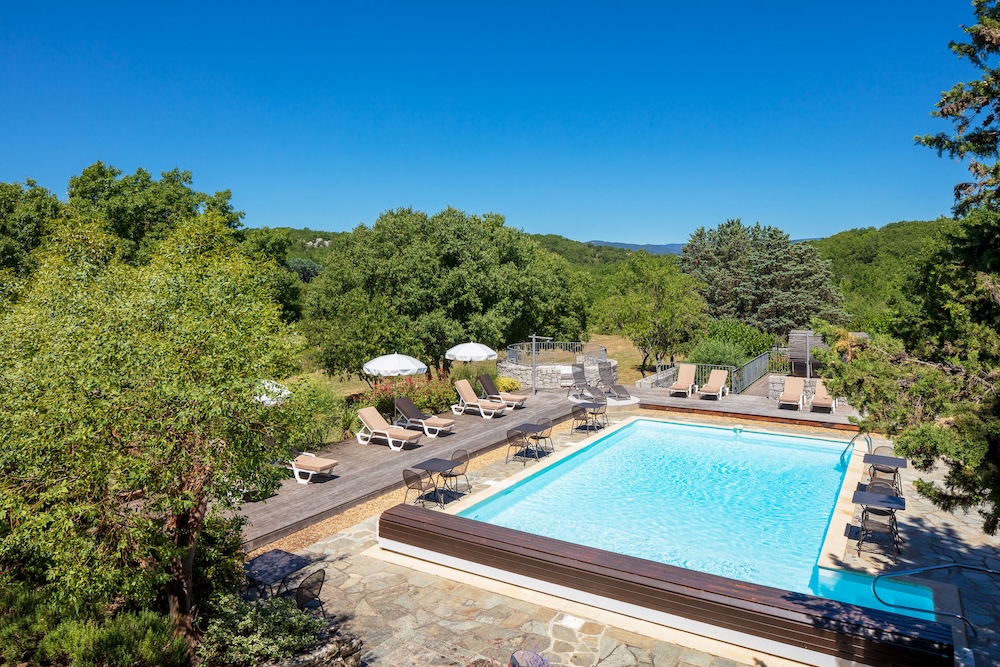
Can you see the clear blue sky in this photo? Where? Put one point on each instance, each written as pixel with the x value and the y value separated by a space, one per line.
pixel 622 121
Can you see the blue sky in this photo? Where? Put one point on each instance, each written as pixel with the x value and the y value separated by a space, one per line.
pixel 625 121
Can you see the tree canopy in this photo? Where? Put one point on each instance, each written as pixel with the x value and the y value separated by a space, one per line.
pixel 130 410
pixel 974 111
pixel 420 284
pixel 758 276
pixel 649 301
pixel 876 268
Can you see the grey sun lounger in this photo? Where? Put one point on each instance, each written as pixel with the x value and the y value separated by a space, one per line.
pixel 493 394
pixel 822 399
pixel 413 417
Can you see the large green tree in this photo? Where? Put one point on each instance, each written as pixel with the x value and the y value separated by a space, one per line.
pixel 25 209
pixel 758 276
pixel 974 111
pixel 652 303
pixel 419 284
pixel 144 210
pixel 130 412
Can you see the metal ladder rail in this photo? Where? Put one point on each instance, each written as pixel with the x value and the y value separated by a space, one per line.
pixel 904 573
pixel 868 441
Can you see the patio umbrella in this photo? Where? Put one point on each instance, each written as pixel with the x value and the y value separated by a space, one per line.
pixel 390 365
pixel 470 352
pixel 394 364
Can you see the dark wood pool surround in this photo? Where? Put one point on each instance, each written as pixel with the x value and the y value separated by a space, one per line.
pixel 844 631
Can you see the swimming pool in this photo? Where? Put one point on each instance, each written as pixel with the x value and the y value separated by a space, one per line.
pixel 739 504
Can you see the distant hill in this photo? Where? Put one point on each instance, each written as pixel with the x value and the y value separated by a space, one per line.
pixel 651 248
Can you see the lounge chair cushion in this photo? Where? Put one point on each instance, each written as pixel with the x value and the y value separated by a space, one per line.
pixel 314 463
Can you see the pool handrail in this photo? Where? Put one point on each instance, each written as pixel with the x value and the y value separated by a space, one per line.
pixel 928 568
pixel 868 441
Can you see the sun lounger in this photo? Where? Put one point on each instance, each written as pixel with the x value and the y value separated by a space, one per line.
pixel 467 400
pixel 413 417
pixel 793 393
pixel 490 389
pixel 607 382
pixel 822 399
pixel 579 379
pixel 375 426
pixel 305 465
pixel 685 380
pixel 716 385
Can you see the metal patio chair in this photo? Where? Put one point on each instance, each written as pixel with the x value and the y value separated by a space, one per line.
pixel 518 446
pixel 544 436
pixel 458 471
pixel 422 484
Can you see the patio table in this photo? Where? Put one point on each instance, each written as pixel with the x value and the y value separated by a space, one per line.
pixel 435 467
pixel 887 461
pixel 592 407
pixel 878 500
pixel 531 429
pixel 271 568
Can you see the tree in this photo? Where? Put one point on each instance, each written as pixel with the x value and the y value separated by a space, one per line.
pixel 421 284
pixel 143 210
pixel 758 276
pixel 130 411
pixel 650 302
pixel 974 111
pixel 24 211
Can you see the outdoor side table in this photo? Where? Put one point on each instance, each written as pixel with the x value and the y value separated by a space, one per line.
pixel 878 500
pixel 435 467
pixel 887 461
pixel 271 568
pixel 592 408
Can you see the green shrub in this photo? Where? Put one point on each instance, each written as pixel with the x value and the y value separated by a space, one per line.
pixel 143 639
pixel 243 634
pixel 718 352
pixel 38 628
pixel 752 340
pixel 507 384
pixel 472 371
pixel 218 562
pixel 429 395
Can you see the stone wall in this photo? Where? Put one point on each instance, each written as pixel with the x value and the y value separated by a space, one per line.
pixel 552 377
pixel 337 649
pixel 664 378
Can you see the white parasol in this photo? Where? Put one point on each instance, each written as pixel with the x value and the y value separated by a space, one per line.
pixel 470 352
pixel 394 364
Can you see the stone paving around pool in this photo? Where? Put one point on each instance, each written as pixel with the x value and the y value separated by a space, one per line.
pixel 409 617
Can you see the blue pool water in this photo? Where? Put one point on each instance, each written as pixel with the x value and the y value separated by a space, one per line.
pixel 744 505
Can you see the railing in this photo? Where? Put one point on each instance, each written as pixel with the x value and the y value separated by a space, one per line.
pixel 555 353
pixel 737 380
pixel 904 573
pixel 778 361
pixel 868 443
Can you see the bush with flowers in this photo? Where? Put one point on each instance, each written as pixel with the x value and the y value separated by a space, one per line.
pixel 432 396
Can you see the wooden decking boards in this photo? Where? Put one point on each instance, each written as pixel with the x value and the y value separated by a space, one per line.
pixel 367 471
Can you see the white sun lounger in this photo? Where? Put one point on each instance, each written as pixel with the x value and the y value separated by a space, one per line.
pixel 793 393
pixel 685 380
pixel 305 465
pixel 716 385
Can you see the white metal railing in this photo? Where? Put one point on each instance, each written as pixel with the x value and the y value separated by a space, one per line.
pixel 555 353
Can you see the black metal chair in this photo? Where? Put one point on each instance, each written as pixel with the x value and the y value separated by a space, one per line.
pixel 422 484
pixel 544 436
pixel 884 472
pixel 458 471
pixel 308 592
pixel 580 417
pixel 519 445
pixel 879 521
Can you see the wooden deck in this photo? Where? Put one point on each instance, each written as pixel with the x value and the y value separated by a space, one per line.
pixel 748 407
pixel 367 471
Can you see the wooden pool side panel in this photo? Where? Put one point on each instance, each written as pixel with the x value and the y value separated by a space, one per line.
pixel 843 631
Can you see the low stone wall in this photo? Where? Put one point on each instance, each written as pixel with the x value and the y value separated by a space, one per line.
pixel 664 378
pixel 337 649
pixel 552 377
